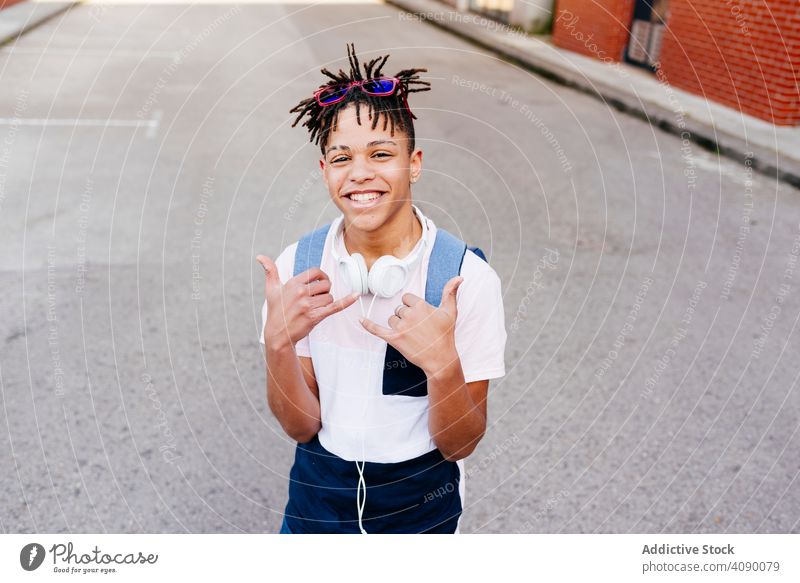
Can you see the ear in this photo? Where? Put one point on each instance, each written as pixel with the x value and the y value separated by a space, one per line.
pixel 324 167
pixel 415 165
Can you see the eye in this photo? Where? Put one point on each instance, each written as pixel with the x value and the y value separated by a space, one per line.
pixel 383 154
pixel 339 159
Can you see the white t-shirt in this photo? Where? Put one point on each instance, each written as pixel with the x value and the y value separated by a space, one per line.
pixel 359 422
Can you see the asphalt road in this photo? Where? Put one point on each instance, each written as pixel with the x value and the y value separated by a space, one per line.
pixel 146 157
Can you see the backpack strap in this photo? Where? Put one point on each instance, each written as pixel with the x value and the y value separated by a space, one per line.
pixel 309 250
pixel 444 264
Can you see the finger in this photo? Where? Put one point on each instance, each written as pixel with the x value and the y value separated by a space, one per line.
pixel 410 299
pixel 379 331
pixel 270 270
pixel 338 306
pixel 321 300
pixel 319 286
pixel 449 294
pixel 310 274
pixel 394 320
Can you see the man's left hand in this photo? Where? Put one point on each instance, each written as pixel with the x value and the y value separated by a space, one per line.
pixel 422 333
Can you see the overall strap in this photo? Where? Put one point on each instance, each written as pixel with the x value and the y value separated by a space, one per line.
pixel 479 252
pixel 309 250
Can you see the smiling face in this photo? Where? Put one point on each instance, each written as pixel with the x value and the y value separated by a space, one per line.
pixel 368 171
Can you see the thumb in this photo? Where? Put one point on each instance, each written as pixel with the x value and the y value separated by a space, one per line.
pixel 449 294
pixel 270 271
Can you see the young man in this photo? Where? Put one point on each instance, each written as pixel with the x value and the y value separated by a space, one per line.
pixel 385 398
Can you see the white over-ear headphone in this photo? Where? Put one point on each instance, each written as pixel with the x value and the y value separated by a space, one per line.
pixel 388 274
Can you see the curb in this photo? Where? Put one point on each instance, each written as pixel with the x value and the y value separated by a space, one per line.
pixel 19 18
pixel 571 71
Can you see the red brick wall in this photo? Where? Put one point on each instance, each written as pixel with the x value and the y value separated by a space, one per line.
pixel 714 48
pixel 596 28
pixel 7 3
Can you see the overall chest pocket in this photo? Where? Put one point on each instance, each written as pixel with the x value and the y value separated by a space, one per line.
pixel 402 377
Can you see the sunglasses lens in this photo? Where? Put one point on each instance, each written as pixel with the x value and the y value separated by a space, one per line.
pixel 379 86
pixel 333 94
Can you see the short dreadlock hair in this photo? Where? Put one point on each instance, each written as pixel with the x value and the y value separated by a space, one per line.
pixel 322 120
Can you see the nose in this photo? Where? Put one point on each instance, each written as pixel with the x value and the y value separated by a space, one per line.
pixel 361 169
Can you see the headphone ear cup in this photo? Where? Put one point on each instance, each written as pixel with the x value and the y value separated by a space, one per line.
pixel 387 276
pixel 349 269
pixel 359 275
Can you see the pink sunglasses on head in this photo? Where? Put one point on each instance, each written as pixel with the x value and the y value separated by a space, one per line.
pixel 378 87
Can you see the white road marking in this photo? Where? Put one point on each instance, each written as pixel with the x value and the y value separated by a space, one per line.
pixel 68 52
pixel 152 124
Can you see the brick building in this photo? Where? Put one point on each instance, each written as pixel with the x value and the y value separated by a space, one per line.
pixel 742 53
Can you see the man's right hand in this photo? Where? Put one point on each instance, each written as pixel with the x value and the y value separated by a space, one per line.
pixel 294 308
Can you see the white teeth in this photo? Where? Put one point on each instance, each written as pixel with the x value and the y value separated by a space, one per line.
pixel 365 196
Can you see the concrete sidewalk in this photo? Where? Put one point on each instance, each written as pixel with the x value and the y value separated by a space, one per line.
pixel 19 18
pixel 773 150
